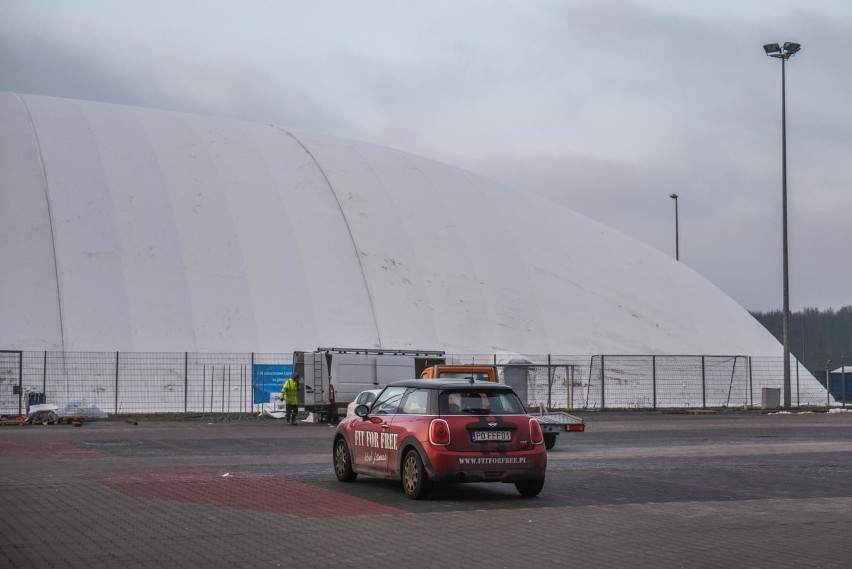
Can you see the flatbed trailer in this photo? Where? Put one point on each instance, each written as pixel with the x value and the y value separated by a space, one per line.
pixel 555 422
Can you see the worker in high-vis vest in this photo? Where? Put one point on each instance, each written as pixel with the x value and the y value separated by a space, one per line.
pixel 290 395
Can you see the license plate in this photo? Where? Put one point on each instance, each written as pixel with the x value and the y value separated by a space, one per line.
pixel 484 436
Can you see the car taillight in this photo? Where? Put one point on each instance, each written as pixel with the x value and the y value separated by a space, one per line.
pixel 439 432
pixel 536 435
pixel 331 394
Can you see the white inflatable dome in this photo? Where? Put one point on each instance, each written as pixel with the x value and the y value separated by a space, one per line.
pixel 133 229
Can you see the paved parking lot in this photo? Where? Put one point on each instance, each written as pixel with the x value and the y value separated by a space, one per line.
pixel 635 490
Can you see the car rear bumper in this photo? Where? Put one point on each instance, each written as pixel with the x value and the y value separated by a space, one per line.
pixel 446 466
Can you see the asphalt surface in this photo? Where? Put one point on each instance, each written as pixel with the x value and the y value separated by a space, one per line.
pixel 635 490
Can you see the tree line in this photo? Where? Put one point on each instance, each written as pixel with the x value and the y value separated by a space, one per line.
pixel 816 336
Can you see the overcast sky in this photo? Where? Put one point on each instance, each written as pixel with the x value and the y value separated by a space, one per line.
pixel 604 106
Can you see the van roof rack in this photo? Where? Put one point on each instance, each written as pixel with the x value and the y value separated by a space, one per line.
pixel 379 351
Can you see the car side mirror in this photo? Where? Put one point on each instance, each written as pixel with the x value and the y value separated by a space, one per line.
pixel 362 411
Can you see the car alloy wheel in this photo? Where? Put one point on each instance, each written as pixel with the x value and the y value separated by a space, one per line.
pixel 343 462
pixel 415 481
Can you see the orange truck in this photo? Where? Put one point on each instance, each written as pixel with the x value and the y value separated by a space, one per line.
pixel 447 371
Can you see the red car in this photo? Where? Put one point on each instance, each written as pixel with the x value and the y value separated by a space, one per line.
pixel 427 431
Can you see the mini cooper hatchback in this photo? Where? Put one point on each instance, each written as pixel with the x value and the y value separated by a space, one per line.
pixel 426 431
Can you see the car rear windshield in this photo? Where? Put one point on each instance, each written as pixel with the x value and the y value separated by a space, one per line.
pixel 479 402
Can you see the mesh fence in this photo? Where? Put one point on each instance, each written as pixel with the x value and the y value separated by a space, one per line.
pixel 666 382
pixel 839 382
pixel 98 384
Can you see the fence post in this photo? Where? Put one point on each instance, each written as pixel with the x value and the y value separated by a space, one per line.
pixel 21 383
pixel 252 388
pixel 827 385
pixel 549 381
pixel 223 389
pixel 569 374
pixel 654 381
pixel 185 383
pixel 603 391
pixel 750 382
pixel 44 376
pixel 229 392
pixel 203 387
pixel 798 397
pixel 703 385
pixel 116 382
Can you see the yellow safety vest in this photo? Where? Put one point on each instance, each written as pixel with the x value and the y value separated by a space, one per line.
pixel 290 392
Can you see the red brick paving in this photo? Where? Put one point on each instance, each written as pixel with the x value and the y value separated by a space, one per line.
pixel 244 490
pixel 47 450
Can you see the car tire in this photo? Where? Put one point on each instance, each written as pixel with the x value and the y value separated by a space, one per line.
pixel 549 440
pixel 530 488
pixel 415 480
pixel 343 462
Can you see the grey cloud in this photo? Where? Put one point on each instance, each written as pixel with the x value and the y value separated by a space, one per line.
pixel 34 64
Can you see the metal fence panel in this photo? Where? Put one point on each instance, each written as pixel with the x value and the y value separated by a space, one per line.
pixel 11 382
pixel 219 385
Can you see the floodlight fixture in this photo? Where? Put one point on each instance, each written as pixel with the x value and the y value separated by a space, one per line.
pixel 784 53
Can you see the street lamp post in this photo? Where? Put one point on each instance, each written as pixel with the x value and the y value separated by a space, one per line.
pixel 784 53
pixel 677 232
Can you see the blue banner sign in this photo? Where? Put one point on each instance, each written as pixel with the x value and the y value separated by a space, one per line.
pixel 269 379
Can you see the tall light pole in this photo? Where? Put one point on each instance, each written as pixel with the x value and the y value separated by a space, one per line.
pixel 677 232
pixel 784 53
